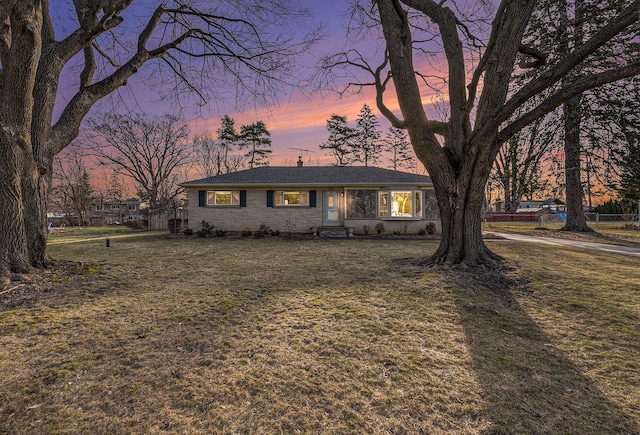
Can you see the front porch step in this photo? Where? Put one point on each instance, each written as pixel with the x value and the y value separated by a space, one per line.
pixel 338 232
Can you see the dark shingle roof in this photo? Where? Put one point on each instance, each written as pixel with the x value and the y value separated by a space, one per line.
pixel 312 175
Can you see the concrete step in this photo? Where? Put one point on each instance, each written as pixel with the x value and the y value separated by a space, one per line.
pixel 339 232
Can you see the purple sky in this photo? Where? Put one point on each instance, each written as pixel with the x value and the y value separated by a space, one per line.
pixel 298 121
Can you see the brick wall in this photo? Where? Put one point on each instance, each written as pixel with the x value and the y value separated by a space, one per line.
pixel 235 218
pixel 291 219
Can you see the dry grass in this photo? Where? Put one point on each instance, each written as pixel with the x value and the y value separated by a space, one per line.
pixel 176 335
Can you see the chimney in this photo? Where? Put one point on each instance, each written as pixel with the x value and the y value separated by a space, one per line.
pixel 299 162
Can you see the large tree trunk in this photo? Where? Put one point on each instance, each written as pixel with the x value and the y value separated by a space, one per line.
pixel 576 219
pixel 37 189
pixel 460 202
pixel 13 249
pixel 18 170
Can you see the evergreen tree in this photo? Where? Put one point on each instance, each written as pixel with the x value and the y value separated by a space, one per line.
pixel 396 143
pixel 227 139
pixel 340 138
pixel 366 145
pixel 258 139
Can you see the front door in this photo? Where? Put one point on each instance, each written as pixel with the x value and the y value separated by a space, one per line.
pixel 331 216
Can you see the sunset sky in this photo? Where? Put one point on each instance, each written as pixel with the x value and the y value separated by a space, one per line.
pixel 296 121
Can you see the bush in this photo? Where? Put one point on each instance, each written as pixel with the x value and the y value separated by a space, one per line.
pixel 379 227
pixel 205 231
pixel 188 231
pixel 220 233
pixel 247 233
pixel 366 229
pixel 264 230
pixel 430 228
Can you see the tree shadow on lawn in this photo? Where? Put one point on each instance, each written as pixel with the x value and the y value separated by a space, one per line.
pixel 528 384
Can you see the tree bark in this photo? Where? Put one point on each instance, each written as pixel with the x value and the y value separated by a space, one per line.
pixel 576 219
pixel 13 251
pixel 460 205
pixel 18 171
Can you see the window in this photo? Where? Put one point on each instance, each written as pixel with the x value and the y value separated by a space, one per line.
pixel 284 198
pixel 400 204
pixel 383 204
pixel 223 197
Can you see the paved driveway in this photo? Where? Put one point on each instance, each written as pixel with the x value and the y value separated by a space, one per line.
pixel 615 249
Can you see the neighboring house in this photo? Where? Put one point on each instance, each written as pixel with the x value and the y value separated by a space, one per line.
pixel 529 206
pixel 299 199
pixel 115 212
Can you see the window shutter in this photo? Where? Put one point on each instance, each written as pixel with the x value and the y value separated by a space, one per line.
pixel 202 198
pixel 270 198
pixel 243 198
pixel 312 198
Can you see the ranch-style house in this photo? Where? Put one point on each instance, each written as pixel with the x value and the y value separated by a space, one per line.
pixel 303 199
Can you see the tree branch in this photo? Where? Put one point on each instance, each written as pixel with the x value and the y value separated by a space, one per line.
pixel 562 68
pixel 570 89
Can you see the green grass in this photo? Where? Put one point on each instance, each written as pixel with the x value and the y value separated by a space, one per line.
pixel 192 335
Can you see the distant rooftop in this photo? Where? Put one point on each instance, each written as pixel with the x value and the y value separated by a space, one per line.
pixel 313 175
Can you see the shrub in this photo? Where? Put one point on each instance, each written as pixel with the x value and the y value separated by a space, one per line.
pixel 205 231
pixel 380 227
pixel 188 231
pixel 430 228
pixel 220 233
pixel 247 233
pixel 366 229
pixel 264 230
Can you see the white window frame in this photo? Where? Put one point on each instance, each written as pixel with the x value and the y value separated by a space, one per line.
pixel 212 198
pixel 389 209
pixel 280 198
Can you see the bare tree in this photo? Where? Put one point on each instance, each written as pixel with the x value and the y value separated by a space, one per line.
pixel 219 156
pixel 149 150
pixel 519 165
pixel 459 152
pixel 194 46
pixel 71 189
pixel 559 27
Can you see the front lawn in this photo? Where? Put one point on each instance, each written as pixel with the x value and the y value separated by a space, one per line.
pixel 158 334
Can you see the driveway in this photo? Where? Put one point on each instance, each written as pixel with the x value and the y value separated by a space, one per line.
pixel 614 249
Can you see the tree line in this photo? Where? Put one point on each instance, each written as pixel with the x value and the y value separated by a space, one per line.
pixel 155 153
pixel 364 143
